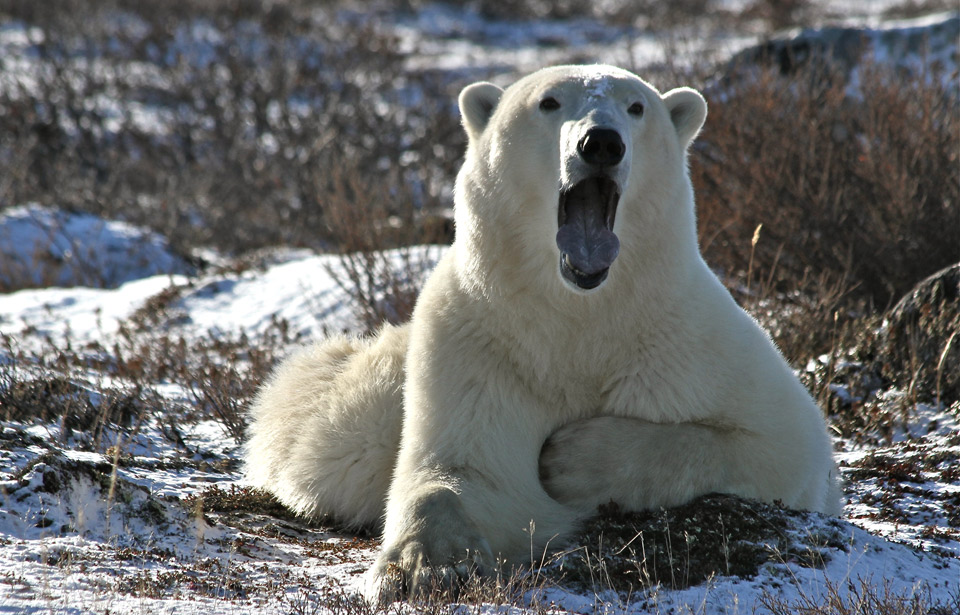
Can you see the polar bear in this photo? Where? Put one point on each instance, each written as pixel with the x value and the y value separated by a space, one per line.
pixel 571 348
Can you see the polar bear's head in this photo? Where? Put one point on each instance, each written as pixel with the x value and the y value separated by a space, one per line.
pixel 572 164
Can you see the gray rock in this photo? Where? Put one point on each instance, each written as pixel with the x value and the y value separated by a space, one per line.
pixel 928 43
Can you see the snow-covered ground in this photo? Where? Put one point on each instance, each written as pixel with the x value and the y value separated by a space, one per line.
pixel 110 526
pixel 150 514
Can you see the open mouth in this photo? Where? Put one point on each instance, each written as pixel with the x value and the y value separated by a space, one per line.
pixel 585 236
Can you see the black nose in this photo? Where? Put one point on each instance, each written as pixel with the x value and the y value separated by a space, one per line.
pixel 602 147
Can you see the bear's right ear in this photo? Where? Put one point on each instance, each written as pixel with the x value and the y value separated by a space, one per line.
pixel 688 110
pixel 477 103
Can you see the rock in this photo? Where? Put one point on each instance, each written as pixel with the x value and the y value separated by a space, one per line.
pixel 923 44
pixel 919 342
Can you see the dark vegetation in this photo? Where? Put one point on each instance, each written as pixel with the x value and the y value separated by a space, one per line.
pixel 829 208
pixel 218 374
pixel 855 193
pixel 266 129
pixel 716 535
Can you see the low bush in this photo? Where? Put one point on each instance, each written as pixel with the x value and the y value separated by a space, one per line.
pixel 714 535
pixel 378 225
pixel 857 192
pixel 228 135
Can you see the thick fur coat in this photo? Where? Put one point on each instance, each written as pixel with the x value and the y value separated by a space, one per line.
pixel 571 348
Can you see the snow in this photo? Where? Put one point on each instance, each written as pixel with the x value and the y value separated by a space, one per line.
pixel 78 550
pixel 82 313
pixel 300 291
pixel 449 38
pixel 597 87
pixel 41 246
pixel 108 526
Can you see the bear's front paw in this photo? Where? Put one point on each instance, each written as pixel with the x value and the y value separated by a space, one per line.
pixel 579 462
pixel 439 550
pixel 408 572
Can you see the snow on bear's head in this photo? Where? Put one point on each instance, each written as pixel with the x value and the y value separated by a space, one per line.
pixel 574 170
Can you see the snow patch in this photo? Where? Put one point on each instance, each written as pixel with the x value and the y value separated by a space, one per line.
pixel 42 246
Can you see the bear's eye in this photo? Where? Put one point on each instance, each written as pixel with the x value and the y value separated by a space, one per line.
pixel 549 104
pixel 636 109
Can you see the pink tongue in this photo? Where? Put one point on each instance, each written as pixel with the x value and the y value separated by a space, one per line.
pixel 589 246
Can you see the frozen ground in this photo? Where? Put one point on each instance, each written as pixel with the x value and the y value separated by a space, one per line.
pixel 110 521
pixel 149 513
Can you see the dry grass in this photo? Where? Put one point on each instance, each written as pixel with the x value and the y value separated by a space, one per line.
pixel 63 383
pixel 859 597
pixel 712 536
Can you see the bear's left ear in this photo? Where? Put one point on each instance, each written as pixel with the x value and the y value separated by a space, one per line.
pixel 477 103
pixel 688 110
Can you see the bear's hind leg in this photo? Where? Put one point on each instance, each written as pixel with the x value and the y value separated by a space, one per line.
pixel 325 430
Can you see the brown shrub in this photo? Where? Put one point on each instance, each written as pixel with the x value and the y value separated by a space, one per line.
pixel 249 120
pixel 219 373
pixel 378 225
pixel 57 390
pixel 859 191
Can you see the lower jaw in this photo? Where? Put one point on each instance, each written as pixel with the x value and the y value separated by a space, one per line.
pixel 580 280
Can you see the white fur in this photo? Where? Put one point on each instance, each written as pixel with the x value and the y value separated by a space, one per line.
pixel 528 401
pixel 325 430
